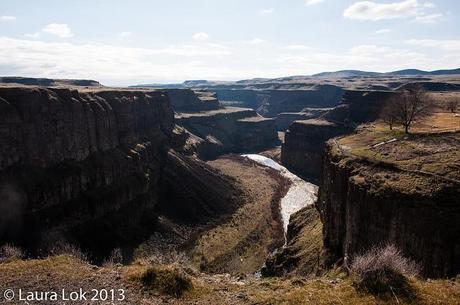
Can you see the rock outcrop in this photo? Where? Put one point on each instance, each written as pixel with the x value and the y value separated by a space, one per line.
pixel 285 119
pixel 69 158
pixel 304 143
pixel 186 100
pixel 229 130
pixel 364 202
pixel 271 102
pixel 359 106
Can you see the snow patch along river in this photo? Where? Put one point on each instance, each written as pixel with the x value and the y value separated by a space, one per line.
pixel 300 194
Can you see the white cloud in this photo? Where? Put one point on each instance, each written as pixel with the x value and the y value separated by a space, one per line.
pixel 446 45
pixel 254 41
pixel 312 2
pixel 369 10
pixel 59 29
pixel 365 57
pixel 125 34
pixel 267 11
pixel 7 18
pixel 200 36
pixel 34 35
pixel 429 19
pixel 383 31
pixel 297 47
pixel 117 65
pixel 108 63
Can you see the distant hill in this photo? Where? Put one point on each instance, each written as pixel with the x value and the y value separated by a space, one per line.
pixel 421 72
pixel 345 73
pixel 408 72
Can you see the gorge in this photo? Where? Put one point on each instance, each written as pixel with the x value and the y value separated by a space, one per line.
pixel 175 175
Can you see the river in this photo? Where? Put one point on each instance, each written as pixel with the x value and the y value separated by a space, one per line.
pixel 300 194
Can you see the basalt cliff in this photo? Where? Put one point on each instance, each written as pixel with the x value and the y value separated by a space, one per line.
pixel 71 160
pixel 404 197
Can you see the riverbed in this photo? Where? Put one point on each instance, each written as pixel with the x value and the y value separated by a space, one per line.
pixel 300 194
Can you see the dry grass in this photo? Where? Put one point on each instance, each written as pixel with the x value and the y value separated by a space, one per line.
pixel 384 271
pixel 67 249
pixel 241 244
pixel 115 257
pixel 144 287
pixel 168 280
pixel 342 291
pixel 10 253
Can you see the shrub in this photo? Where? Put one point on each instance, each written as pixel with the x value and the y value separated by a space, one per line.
pixel 116 257
pixel 167 280
pixel 10 253
pixel 64 248
pixel 383 271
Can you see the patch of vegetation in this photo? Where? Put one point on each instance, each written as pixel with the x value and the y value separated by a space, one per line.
pixel 9 253
pixel 67 249
pixel 166 280
pixel 384 271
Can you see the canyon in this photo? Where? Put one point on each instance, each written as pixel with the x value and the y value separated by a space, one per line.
pixel 182 174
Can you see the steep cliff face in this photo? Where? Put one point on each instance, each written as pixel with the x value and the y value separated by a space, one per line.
pixel 186 100
pixel 193 192
pixel 304 143
pixel 305 140
pixel 229 130
pixel 359 106
pixel 364 203
pixel 271 102
pixel 285 119
pixel 70 157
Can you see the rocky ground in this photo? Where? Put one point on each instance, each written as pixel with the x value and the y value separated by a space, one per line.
pixel 71 274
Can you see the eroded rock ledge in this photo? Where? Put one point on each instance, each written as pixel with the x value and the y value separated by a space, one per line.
pixel 409 198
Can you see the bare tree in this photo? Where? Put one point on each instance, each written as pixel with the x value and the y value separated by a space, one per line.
pixel 406 107
pixel 388 114
pixel 452 104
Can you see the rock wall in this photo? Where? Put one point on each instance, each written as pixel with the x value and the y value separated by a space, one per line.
pixel 305 140
pixel 193 192
pixel 285 119
pixel 304 143
pixel 359 106
pixel 271 102
pixel 69 157
pixel 186 100
pixel 358 211
pixel 229 130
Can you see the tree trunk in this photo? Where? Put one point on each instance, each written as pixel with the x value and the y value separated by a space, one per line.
pixel 406 128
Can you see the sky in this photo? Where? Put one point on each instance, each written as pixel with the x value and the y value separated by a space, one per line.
pixel 149 41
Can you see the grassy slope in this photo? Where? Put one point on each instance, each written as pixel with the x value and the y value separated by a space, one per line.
pixel 59 272
pixel 241 244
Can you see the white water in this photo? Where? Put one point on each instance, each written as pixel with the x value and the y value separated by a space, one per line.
pixel 300 194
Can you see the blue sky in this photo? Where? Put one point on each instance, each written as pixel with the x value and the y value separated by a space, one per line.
pixel 140 41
